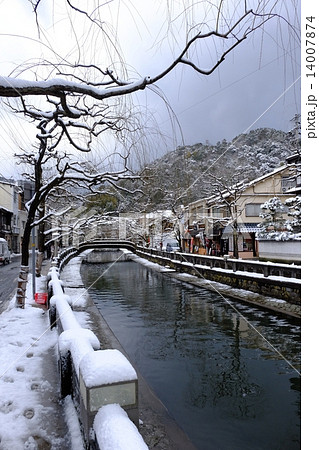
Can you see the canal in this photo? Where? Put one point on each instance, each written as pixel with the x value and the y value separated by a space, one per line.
pixel 228 373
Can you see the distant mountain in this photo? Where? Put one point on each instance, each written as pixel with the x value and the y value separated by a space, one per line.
pixel 186 174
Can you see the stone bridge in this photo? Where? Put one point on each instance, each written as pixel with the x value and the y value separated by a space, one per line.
pixel 97 244
pixel 107 243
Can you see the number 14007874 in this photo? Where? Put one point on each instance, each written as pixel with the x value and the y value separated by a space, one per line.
pixel 310 46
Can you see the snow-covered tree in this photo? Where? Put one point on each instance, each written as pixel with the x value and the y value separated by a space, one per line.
pixel 273 223
pixel 77 91
pixel 293 223
pixel 294 137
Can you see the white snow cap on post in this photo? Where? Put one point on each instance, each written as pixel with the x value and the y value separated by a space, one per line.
pixel 106 367
pixel 115 431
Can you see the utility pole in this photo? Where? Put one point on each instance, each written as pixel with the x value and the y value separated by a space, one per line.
pixel 33 262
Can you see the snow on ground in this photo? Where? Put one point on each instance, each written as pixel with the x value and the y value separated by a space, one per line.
pixel 31 416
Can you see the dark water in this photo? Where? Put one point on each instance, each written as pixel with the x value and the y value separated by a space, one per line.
pixel 220 380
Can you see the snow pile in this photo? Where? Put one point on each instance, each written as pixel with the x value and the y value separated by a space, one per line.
pixel 106 367
pixel 115 431
pixel 74 286
pixel 67 337
pixel 54 299
pixel 55 283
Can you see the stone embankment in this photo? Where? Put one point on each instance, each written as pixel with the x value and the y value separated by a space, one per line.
pixel 283 300
pixel 274 304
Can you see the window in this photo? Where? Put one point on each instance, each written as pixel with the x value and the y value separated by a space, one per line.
pixel 217 212
pixel 299 180
pixel 253 209
pixel 288 183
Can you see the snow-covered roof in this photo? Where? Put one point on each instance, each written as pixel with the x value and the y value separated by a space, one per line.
pixel 214 198
pixel 2 208
pixel 267 175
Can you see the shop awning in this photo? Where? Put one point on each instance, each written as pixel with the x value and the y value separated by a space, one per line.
pixel 241 228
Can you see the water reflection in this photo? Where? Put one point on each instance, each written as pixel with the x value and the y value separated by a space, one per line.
pixel 213 370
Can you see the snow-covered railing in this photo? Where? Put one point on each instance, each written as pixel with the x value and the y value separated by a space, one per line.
pixel 103 383
pixel 65 255
pixel 236 265
pixel 109 424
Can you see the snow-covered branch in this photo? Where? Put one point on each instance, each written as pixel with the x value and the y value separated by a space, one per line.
pixel 58 87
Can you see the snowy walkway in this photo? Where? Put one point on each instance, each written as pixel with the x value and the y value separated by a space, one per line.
pixel 31 414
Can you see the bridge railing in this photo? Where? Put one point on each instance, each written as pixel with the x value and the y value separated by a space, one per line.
pixel 107 243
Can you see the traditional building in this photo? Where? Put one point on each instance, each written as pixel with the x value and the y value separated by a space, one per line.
pixel 213 223
pixel 9 213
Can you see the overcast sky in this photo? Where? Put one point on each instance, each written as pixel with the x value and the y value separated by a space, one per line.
pixel 257 86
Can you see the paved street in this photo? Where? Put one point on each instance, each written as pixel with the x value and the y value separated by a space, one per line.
pixel 8 281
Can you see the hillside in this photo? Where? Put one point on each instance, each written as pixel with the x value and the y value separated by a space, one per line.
pixel 186 174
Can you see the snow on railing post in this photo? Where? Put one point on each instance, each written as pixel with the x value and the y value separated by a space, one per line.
pixel 265 270
pixel 74 343
pixel 55 288
pixel 107 377
pixel 113 429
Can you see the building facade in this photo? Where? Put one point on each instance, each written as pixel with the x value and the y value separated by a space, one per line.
pixel 9 213
pixel 214 225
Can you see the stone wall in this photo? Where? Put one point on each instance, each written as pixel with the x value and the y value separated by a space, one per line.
pixel 288 251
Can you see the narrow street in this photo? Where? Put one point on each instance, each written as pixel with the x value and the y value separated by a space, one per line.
pixel 8 281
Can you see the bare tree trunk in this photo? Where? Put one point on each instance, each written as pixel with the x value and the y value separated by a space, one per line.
pixel 22 286
pixel 235 239
pixel 24 269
